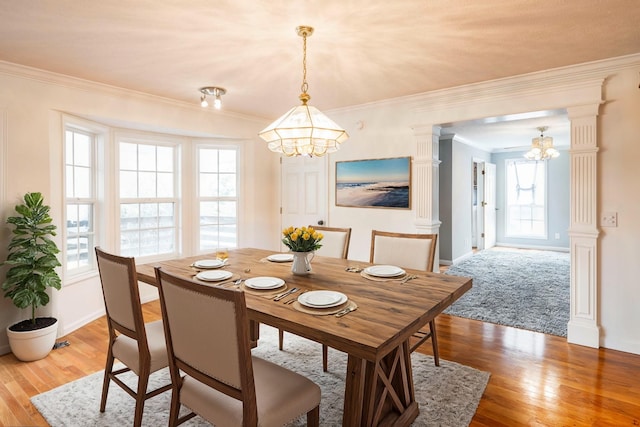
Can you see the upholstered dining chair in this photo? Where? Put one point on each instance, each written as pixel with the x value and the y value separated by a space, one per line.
pixel 140 347
pixel 415 251
pixel 335 244
pixel 222 382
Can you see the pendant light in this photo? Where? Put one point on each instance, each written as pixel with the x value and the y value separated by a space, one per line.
pixel 304 130
pixel 542 147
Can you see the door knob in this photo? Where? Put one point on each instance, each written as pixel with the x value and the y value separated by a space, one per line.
pixel 321 222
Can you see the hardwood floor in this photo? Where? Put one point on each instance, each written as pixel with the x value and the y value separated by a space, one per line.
pixel 536 379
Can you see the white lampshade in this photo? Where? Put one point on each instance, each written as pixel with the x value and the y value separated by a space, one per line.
pixel 303 131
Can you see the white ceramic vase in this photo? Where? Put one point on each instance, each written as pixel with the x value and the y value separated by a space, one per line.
pixel 302 262
pixel 33 345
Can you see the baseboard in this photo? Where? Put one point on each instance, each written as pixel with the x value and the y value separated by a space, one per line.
pixel 540 248
pixel 462 258
pixel 583 333
pixel 79 323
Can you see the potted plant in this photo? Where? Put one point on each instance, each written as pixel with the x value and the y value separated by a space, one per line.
pixel 33 260
pixel 302 242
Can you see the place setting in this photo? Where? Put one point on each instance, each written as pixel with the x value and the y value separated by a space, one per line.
pixel 264 286
pixel 324 303
pixel 279 258
pixel 209 264
pixel 384 273
pixel 217 277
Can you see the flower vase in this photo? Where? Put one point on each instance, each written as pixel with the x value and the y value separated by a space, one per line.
pixel 302 262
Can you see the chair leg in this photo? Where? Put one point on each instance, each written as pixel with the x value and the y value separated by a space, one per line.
pixel 141 396
pixel 434 342
pixel 325 357
pixel 313 417
pixel 280 338
pixel 107 379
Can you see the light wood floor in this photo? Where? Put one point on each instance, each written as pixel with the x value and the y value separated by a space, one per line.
pixel 536 379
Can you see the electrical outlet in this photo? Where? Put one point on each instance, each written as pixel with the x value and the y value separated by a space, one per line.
pixel 557 236
pixel 609 219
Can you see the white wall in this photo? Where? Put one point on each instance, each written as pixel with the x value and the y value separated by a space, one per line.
pixel 33 103
pixel 387 133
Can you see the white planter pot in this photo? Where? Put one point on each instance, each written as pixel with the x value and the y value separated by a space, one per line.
pixel 33 345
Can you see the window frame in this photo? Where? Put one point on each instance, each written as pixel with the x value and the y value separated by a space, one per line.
pixel 176 144
pixel 509 233
pixel 98 135
pixel 198 199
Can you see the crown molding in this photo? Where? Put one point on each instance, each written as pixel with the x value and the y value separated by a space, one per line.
pixel 63 80
pixel 573 77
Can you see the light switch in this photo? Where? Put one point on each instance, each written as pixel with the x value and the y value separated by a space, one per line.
pixel 609 219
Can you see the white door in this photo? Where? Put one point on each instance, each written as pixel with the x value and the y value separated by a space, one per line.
pixel 489 205
pixel 304 191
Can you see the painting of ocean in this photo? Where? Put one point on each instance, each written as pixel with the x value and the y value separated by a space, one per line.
pixel 380 183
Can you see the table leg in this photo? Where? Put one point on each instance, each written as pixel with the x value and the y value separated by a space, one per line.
pixel 254 333
pixel 380 393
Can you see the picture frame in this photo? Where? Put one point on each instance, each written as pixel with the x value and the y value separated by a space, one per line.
pixel 374 183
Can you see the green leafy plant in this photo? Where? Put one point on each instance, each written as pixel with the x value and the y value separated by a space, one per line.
pixel 32 256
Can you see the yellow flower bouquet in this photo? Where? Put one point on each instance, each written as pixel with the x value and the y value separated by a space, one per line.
pixel 303 239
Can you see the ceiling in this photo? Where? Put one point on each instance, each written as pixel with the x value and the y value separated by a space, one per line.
pixel 361 51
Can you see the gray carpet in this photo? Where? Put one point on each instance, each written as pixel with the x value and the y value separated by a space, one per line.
pixel 526 289
pixel 448 395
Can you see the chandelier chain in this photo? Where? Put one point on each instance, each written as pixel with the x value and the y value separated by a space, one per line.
pixel 304 86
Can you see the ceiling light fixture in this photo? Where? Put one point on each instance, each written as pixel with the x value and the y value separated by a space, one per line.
pixel 216 92
pixel 304 130
pixel 542 147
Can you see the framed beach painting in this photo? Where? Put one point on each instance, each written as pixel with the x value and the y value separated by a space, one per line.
pixel 374 183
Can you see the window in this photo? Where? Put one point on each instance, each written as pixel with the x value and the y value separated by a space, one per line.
pixel 80 199
pixel 217 197
pixel 526 198
pixel 148 182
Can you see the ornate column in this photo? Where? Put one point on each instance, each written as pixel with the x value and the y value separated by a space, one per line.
pixel 583 325
pixel 425 179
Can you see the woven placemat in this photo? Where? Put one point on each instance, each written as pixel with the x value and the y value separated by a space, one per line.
pixel 222 283
pixel 382 279
pixel 265 293
pixel 323 311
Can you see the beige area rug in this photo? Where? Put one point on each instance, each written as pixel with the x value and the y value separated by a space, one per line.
pixel 448 395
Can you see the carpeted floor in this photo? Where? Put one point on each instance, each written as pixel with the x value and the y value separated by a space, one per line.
pixel 526 289
pixel 448 395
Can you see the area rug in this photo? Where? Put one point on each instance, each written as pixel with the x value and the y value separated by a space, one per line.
pixel 448 395
pixel 526 289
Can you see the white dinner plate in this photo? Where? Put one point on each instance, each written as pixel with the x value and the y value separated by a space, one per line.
pixel 214 275
pixel 384 271
pixel 280 257
pixel 208 263
pixel 322 299
pixel 264 282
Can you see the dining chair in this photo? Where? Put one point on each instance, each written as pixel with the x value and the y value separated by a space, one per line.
pixel 212 369
pixel 139 346
pixel 335 244
pixel 415 251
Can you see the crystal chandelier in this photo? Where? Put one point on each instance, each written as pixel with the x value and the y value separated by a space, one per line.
pixel 304 130
pixel 542 147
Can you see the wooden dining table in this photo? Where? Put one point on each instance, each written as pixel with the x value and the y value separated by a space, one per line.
pixel 379 388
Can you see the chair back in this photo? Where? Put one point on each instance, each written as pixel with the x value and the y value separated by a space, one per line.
pixel 335 242
pixel 207 333
pixel 416 251
pixel 121 294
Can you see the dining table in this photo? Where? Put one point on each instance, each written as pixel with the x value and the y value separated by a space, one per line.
pixel 387 311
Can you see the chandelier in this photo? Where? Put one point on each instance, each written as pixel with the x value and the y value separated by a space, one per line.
pixel 304 130
pixel 542 147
